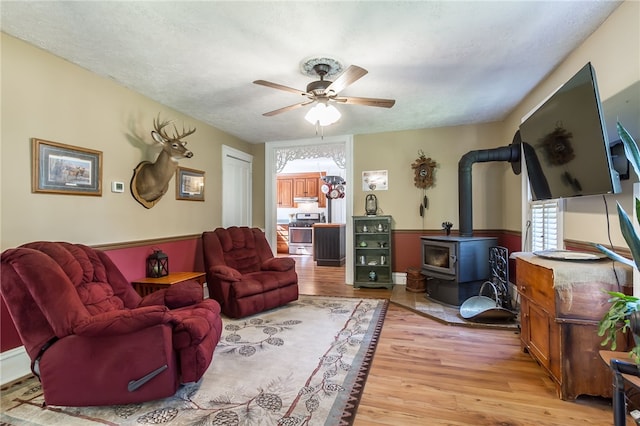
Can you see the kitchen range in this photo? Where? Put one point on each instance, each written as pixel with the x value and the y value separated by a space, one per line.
pixel 301 232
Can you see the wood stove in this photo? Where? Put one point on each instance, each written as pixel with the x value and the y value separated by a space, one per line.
pixel 455 267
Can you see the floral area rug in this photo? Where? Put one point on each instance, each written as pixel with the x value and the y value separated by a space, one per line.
pixel 303 364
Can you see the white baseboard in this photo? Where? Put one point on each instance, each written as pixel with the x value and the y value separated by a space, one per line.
pixel 14 364
pixel 399 278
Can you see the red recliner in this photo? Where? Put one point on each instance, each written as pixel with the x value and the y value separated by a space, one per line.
pixel 92 339
pixel 242 273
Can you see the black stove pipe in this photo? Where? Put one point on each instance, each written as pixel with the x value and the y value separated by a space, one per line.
pixel 510 153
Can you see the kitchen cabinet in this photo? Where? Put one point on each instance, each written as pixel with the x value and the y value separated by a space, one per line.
pixel 283 238
pixel 561 305
pixel 322 198
pixel 372 251
pixel 285 192
pixel 294 185
pixel 306 186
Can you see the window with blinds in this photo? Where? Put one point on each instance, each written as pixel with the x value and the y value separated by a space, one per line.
pixel 545 224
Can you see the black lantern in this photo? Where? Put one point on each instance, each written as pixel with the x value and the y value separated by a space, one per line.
pixel 157 264
pixel 371 205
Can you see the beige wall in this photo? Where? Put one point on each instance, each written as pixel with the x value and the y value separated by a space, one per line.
pixel 614 51
pixel 49 98
pixel 396 151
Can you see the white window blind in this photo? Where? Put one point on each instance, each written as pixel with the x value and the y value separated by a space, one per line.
pixel 545 225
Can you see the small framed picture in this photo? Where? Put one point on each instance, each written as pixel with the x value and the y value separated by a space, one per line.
pixel 65 169
pixel 189 184
pixel 375 180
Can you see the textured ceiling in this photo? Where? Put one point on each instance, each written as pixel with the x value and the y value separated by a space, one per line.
pixel 444 62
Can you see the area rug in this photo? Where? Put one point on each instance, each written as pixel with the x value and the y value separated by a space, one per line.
pixel 303 364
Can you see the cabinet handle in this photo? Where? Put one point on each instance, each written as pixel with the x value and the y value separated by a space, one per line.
pixel 523 289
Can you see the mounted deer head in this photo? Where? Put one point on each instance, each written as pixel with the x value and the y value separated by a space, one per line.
pixel 150 180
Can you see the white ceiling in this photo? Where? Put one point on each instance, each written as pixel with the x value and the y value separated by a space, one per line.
pixel 445 62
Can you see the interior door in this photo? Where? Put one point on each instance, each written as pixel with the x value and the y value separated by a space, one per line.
pixel 237 170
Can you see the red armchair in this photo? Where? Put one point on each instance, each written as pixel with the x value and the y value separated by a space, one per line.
pixel 92 339
pixel 242 273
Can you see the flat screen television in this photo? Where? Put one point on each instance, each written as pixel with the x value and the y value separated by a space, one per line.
pixel 565 144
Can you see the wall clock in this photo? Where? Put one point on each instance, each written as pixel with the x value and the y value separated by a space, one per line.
pixel 423 169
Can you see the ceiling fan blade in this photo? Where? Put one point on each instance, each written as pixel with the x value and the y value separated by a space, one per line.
pixel 285 109
pixel 281 87
pixel 377 102
pixel 352 74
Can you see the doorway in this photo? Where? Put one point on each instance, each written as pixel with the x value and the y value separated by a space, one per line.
pixel 274 161
pixel 237 171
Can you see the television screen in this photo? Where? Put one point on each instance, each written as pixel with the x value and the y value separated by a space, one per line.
pixel 565 145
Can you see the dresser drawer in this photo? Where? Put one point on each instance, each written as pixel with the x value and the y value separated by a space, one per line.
pixel 536 284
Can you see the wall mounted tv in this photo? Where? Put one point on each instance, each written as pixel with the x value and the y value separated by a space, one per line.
pixel 565 145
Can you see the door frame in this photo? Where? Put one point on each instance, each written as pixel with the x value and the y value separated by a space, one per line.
pixel 270 203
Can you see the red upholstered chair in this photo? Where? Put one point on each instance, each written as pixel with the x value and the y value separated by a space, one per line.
pixel 242 273
pixel 92 339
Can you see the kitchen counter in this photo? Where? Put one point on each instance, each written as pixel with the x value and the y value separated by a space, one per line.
pixel 329 243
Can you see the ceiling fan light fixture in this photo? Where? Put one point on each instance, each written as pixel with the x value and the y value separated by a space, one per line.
pixel 323 91
pixel 323 114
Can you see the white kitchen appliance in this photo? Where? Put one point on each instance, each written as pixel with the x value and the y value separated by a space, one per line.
pixel 301 232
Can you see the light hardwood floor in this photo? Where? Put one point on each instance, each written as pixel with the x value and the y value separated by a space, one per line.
pixel 428 373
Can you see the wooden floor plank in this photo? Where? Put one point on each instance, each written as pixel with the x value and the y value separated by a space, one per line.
pixel 428 373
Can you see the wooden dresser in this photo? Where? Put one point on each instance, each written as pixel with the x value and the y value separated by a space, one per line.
pixel 561 303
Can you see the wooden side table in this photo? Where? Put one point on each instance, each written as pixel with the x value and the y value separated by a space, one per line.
pixel 145 286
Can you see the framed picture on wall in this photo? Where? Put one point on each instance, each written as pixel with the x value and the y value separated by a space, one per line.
pixel 65 169
pixel 189 184
pixel 375 180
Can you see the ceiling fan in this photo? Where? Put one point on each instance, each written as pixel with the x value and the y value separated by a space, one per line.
pixel 325 91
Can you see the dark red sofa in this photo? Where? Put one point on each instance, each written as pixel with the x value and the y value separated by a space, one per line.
pixel 242 273
pixel 92 339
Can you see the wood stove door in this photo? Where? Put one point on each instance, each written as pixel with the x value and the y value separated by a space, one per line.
pixel 439 257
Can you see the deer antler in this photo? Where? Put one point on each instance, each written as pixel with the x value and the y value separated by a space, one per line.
pixel 159 127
